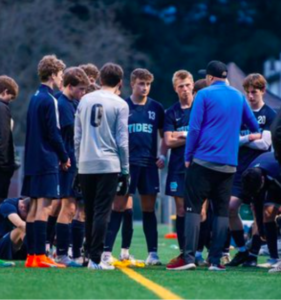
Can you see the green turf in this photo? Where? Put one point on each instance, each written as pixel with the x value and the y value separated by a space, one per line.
pixel 237 283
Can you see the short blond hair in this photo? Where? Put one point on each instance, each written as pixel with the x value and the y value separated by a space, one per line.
pixel 49 65
pixel 142 74
pixel 181 74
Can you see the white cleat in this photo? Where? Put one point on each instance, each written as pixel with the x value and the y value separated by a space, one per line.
pixel 153 259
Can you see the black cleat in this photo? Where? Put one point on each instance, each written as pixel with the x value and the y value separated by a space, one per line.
pixel 252 261
pixel 238 259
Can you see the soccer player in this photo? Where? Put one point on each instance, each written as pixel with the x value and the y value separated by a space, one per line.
pixel 146 119
pixel 211 153
pixel 261 182
pixel 13 214
pixel 251 146
pixel 75 82
pixel 175 127
pixel 101 148
pixel 8 92
pixel 93 74
pixel 44 150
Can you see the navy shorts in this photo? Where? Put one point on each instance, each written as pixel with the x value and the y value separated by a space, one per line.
pixel 175 185
pixel 6 247
pixel 237 190
pixel 41 186
pixel 66 182
pixel 145 179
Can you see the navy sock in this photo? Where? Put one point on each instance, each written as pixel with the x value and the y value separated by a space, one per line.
pixel 40 234
pixel 271 239
pixel 127 228
pixel 203 234
pixel 150 230
pixel 63 238
pixel 238 236
pixel 30 238
pixel 51 229
pixel 112 230
pixel 78 233
pixel 180 231
pixel 256 245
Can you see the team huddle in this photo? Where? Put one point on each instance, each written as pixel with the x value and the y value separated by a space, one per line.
pixel 88 151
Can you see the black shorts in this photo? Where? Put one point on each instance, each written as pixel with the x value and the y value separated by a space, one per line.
pixel 41 186
pixel 5 180
pixel 202 183
pixel 145 179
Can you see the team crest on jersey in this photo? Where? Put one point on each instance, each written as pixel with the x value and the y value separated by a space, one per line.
pixel 173 186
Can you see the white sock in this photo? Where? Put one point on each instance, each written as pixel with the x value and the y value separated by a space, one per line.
pixel 125 252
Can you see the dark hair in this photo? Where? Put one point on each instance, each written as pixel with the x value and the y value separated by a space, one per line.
pixel 142 74
pixel 75 76
pixel 199 85
pixel 91 70
pixel 111 74
pixel 252 181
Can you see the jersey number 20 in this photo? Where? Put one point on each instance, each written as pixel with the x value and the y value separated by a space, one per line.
pixel 96 115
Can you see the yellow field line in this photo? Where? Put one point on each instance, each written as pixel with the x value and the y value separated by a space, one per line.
pixel 150 285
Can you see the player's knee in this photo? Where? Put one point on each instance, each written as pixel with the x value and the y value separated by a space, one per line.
pixel 233 211
pixel 268 215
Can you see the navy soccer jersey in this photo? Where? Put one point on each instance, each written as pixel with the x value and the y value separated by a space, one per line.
pixel 177 119
pixel 144 122
pixel 44 147
pixel 268 164
pixel 246 155
pixel 9 206
pixel 67 109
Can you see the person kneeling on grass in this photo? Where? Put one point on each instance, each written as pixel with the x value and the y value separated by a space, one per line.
pixel 13 213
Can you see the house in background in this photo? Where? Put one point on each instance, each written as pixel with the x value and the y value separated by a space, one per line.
pixel 272 73
pixel 236 77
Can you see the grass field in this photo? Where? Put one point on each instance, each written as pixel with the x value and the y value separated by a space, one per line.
pixel 235 283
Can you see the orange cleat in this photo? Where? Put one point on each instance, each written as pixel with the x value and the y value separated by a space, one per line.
pixel 31 261
pixel 44 261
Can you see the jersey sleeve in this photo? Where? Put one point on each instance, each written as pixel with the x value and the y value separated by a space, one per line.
pixel 169 124
pixel 269 119
pixel 161 117
pixel 6 209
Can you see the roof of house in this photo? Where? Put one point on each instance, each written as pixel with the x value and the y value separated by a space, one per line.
pixel 236 77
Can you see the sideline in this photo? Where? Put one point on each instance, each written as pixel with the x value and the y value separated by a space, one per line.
pixel 150 285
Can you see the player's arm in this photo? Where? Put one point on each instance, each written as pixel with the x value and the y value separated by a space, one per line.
pixel 262 143
pixel 17 221
pixel 161 160
pixel 195 123
pixel 77 134
pixel 54 134
pixel 122 138
pixel 4 133
pixel 175 139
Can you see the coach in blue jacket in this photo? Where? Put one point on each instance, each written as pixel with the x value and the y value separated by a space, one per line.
pixel 211 158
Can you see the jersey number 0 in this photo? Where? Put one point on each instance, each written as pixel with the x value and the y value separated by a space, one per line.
pixel 96 115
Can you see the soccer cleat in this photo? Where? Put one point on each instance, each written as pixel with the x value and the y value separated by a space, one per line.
pixel 31 261
pixel 79 260
pixel 6 264
pixel 101 266
pixel 276 269
pixel 238 259
pixel 226 258
pixel 200 261
pixel 69 263
pixel 179 264
pixel 269 263
pixel 153 259
pixel 175 259
pixel 44 261
pixel 251 261
pixel 216 267
pixel 130 261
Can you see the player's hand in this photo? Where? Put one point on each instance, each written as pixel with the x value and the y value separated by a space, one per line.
pixel 254 136
pixel 181 135
pixel 160 163
pixel 187 164
pixel 66 165
pixel 123 184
